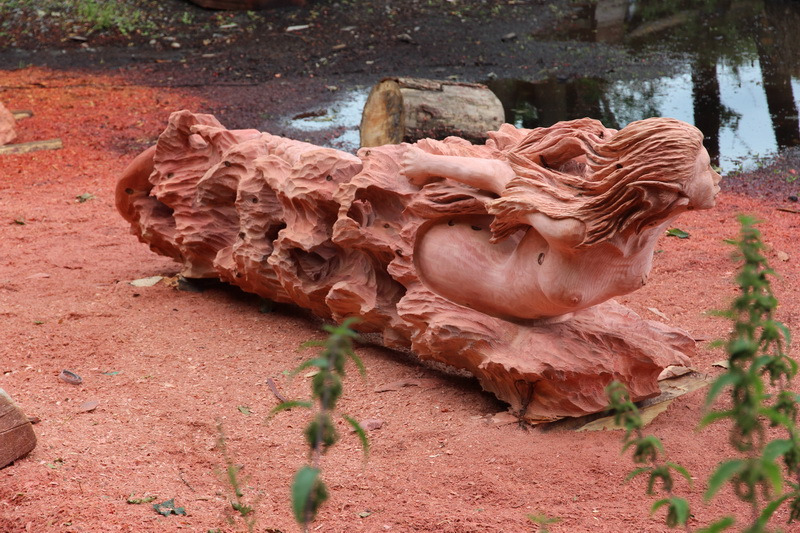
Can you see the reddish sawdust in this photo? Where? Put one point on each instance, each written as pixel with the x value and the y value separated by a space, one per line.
pixel 166 365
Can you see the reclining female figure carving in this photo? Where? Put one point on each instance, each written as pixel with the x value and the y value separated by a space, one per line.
pixel 498 258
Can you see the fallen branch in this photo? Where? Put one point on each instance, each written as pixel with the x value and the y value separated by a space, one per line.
pixel 33 146
pixel 275 391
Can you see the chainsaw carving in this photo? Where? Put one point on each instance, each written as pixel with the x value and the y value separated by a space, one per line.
pixel 499 258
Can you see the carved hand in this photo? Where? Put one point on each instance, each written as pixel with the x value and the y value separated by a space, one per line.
pixel 415 166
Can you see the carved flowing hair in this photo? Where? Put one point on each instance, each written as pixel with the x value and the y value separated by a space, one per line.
pixel 614 182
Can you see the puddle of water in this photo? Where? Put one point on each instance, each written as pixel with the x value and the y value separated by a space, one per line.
pixel 343 114
pixel 738 77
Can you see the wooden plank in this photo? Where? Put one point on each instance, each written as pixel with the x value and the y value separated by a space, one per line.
pixel 23 148
pixel 17 438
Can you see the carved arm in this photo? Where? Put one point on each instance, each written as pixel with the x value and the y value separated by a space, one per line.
pixel 486 174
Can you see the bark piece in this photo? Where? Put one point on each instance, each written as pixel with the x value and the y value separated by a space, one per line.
pixel 17 438
pixel 408 109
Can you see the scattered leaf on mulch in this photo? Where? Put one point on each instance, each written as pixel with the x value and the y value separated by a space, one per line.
pixel 679 233
pixel 244 410
pixel 782 256
pixel 722 364
pixel 136 501
pixel 81 198
pixel 168 507
pixel 146 282
pixel 88 406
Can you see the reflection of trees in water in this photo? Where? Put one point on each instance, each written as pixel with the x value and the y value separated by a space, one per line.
pixel 541 104
pixel 778 52
pixel 732 33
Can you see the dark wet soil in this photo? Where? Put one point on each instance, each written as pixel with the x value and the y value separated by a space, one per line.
pixel 273 71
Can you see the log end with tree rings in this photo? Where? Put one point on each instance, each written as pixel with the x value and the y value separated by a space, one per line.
pixel 409 109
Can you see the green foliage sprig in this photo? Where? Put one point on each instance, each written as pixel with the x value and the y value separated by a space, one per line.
pixel 758 379
pixel 308 489
pixel 647 451
pixel 246 511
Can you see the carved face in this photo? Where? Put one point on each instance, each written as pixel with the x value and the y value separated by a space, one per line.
pixel 703 186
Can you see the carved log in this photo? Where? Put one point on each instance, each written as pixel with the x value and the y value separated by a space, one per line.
pixel 408 109
pixel 16 432
pixel 343 236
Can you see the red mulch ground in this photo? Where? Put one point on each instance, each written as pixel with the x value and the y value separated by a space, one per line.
pixel 166 366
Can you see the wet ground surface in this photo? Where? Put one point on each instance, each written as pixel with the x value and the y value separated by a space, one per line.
pixel 729 68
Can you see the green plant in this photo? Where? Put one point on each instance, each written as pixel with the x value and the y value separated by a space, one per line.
pixel 542 520
pixel 244 509
pixel 647 451
pixel 758 379
pixel 308 489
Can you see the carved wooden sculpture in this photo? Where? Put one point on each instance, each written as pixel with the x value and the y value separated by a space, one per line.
pixel 500 258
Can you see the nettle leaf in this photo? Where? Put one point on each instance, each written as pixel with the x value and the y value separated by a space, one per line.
pixel 285 406
pixel 308 494
pixel 677 510
pixel 724 472
pixel 362 435
pixel 720 525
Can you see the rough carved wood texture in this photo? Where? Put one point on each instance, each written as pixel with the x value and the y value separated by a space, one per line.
pixel 408 109
pixel 8 130
pixel 17 438
pixel 336 234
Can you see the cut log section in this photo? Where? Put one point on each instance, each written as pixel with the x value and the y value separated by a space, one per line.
pixel 17 438
pixel 408 109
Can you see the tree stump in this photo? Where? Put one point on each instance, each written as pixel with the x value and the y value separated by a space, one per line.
pixel 17 438
pixel 408 109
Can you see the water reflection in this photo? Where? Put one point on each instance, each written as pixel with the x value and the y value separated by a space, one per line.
pixel 739 81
